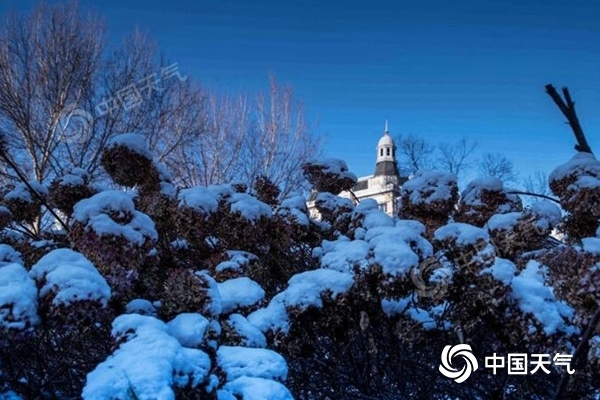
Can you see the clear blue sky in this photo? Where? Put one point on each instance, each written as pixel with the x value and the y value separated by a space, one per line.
pixel 440 69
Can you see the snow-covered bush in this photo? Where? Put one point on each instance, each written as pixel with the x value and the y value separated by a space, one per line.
pixel 577 184
pixel 329 175
pixel 24 201
pixel 71 289
pixel 226 292
pixel 429 197
pixel 69 189
pixel 18 299
pixel 484 198
pixel 116 237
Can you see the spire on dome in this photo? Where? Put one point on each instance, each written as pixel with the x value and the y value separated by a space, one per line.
pixel 386 131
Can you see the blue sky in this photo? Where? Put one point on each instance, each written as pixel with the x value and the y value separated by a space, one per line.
pixel 437 69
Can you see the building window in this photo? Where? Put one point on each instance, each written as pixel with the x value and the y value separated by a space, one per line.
pixel 387 151
pixel 381 152
pixel 382 207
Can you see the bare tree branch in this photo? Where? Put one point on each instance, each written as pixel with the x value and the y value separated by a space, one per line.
pixel 567 107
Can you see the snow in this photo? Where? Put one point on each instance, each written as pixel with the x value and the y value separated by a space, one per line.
pixel 148 364
pixel 464 234
pixel 239 292
pixel 251 336
pixel 133 141
pixel 342 254
pixel 236 361
pixel 249 207
pixel 372 216
pixel 188 329
pixel 503 221
pixel 18 298
pixel 537 299
pixel 168 189
pixel 332 202
pixel 22 192
pixel 140 306
pixel 396 258
pixel 316 281
pixel 238 259
pixel 95 213
pixel 213 307
pixel 382 239
pixel 334 166
pixel 502 270
pixel 471 195
pixel 405 306
pixel 426 187
pixel 296 208
pixel 274 317
pixel 8 255
pixel 75 177
pixel 581 164
pixel 591 245
pixel 415 228
pixel 304 290
pixel 547 212
pixel 71 276
pixel 247 388
pixel 200 199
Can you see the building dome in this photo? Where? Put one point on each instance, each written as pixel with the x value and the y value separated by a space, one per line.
pixel 386 140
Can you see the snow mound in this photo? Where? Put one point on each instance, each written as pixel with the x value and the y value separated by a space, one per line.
pixel 9 255
pixel 140 306
pixel 427 187
pixel 247 388
pixel 239 292
pixel 22 192
pixel 188 328
pixel 18 298
pixel 537 299
pixel 200 199
pixel 70 277
pixel 135 142
pixel 249 207
pixel 548 213
pixel 334 166
pixel 295 207
pixel 368 211
pixel 428 319
pixel 248 333
pixel 112 212
pixel 502 270
pixel 238 361
pixel 582 164
pixel 237 261
pixel 463 234
pixel 147 364
pixel 304 290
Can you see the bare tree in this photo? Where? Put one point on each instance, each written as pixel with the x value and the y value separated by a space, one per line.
pixel 63 96
pixel 455 157
pixel 498 166
pixel 537 183
pixel 280 141
pixel 414 153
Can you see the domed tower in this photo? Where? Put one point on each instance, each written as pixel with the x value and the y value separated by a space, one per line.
pixel 386 155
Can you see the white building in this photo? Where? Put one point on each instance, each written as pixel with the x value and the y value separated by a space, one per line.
pixel 384 185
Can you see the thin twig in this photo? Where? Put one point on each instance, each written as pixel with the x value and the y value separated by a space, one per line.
pixel 535 195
